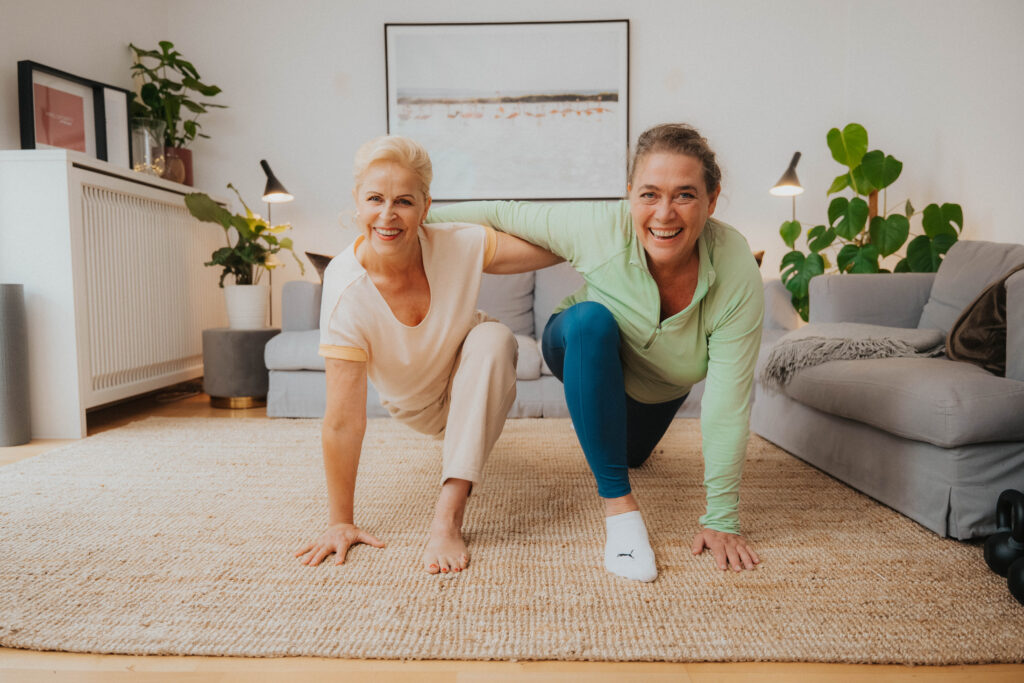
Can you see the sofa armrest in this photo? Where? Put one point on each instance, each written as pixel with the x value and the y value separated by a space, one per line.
pixel 300 305
pixel 892 299
pixel 1015 326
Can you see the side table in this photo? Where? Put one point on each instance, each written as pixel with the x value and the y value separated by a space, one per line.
pixel 234 373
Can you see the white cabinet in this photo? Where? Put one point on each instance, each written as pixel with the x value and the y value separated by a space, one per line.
pixel 116 293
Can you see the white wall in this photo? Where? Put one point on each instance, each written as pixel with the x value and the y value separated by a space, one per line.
pixel 937 83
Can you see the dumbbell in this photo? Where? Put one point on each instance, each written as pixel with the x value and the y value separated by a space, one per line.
pixel 1004 551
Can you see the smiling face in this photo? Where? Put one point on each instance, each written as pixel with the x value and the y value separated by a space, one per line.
pixel 670 205
pixel 390 207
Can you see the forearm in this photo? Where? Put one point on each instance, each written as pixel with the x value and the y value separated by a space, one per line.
pixel 341 447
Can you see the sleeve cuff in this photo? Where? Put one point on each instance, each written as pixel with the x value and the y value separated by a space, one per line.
pixel 491 245
pixel 343 353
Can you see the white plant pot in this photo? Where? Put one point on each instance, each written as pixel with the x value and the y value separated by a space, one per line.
pixel 247 306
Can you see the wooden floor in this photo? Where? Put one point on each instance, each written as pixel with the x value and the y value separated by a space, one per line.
pixel 26 666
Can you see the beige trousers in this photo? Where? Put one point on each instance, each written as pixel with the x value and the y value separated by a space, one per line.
pixel 471 413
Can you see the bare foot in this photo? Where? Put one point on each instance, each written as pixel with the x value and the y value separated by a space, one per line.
pixel 446 551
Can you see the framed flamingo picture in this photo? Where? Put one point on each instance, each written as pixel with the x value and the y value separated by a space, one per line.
pixel 532 110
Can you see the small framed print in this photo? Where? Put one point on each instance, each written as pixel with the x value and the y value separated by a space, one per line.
pixel 58 110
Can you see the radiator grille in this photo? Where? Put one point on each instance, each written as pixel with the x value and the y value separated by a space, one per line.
pixel 148 294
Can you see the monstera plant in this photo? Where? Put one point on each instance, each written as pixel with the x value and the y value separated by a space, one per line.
pixel 859 236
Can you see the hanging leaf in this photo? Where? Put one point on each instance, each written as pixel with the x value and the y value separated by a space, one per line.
pixel 820 237
pixel 798 269
pixel 881 170
pixel 889 234
pixel 922 257
pixel 790 231
pixel 849 145
pixel 852 216
pixel 909 209
pixel 839 184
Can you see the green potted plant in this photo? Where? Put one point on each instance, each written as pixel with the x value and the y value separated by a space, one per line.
pixel 169 92
pixel 254 251
pixel 859 236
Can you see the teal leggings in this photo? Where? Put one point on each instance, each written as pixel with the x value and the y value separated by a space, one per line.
pixel 581 346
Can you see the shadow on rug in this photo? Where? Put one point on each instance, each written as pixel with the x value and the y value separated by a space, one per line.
pixel 176 536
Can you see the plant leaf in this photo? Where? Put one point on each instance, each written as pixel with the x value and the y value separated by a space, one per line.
pixel 889 234
pixel 935 223
pixel 881 170
pixel 865 260
pixel 205 209
pixel 798 269
pixel 790 231
pixel 954 214
pixel 820 237
pixel 922 256
pixel 909 209
pixel 848 147
pixel 840 183
pixel 859 182
pixel 852 219
pixel 902 266
pixel 845 257
pixel 837 209
pixel 942 243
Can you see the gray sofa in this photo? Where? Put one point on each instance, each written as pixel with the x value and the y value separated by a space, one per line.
pixel 523 302
pixel 935 439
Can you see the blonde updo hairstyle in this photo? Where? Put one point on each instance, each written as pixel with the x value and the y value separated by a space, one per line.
pixel 403 151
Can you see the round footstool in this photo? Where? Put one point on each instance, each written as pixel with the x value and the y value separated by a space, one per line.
pixel 234 374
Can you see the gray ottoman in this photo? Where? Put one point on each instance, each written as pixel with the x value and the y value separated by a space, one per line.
pixel 234 374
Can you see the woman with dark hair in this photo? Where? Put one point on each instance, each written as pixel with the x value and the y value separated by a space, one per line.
pixel 671 296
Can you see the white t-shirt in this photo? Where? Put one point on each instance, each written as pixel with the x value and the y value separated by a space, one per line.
pixel 409 366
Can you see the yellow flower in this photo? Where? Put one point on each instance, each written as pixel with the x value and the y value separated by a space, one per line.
pixel 277 229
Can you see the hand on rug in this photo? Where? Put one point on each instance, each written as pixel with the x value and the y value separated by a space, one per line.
pixel 726 548
pixel 337 539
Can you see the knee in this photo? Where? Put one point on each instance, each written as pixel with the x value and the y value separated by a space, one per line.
pixel 493 344
pixel 593 322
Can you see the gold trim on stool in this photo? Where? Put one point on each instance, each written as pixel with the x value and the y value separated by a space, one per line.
pixel 238 402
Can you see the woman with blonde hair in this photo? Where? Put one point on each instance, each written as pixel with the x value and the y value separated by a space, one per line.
pixel 399 308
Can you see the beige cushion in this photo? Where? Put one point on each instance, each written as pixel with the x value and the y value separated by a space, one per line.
pixel 926 399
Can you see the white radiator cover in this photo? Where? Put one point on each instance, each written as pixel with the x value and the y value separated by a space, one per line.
pixel 116 292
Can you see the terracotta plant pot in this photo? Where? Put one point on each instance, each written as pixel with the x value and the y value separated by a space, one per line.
pixel 178 165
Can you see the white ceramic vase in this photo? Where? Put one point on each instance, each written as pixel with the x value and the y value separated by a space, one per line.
pixel 247 306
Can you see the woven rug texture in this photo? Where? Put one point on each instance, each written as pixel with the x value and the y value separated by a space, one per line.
pixel 176 536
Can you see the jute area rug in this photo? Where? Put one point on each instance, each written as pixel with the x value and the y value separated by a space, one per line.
pixel 176 536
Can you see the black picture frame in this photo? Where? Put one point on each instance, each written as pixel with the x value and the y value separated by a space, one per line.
pixel 437 74
pixel 107 135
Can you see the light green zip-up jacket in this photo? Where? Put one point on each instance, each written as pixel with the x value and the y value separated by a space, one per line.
pixel 717 336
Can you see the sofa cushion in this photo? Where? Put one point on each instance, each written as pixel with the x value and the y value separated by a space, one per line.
pixel 508 299
pixel 968 268
pixel 529 360
pixel 553 284
pixel 294 350
pixel 926 399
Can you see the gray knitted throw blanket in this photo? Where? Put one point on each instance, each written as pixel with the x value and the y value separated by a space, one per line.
pixel 819 343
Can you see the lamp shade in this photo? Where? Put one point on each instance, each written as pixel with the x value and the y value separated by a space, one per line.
pixel 788 184
pixel 274 193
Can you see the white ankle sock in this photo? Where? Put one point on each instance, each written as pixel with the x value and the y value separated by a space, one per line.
pixel 627 552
